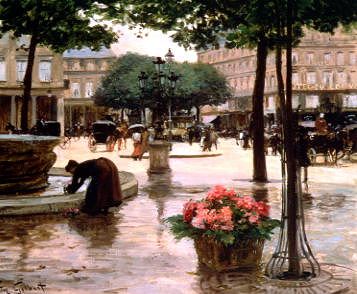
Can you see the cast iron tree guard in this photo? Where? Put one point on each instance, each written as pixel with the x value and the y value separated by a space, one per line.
pixel 293 258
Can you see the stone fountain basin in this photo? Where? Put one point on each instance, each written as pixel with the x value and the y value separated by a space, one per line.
pixel 25 161
pixel 53 200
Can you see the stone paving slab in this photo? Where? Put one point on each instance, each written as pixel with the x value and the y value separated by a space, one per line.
pixel 179 150
pixel 11 205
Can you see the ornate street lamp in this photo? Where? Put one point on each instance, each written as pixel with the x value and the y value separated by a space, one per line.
pixel 172 82
pixel 159 62
pixel 164 80
pixel 169 56
pixel 143 77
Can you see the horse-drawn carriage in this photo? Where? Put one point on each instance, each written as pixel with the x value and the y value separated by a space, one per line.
pixel 103 132
pixel 332 146
pixel 336 141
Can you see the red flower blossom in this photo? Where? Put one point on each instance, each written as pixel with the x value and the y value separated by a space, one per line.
pixel 210 215
pixel 262 208
pixel 188 210
pixel 219 192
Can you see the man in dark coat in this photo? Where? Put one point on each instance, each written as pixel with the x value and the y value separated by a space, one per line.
pixel 104 189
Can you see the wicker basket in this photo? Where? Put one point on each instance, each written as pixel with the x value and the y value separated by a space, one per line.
pixel 217 256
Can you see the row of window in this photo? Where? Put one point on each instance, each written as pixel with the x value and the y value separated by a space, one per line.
pixel 85 65
pixel 76 89
pixel 328 78
pixel 311 58
pixel 311 101
pixel 44 72
pixel 213 56
pixel 235 67
pixel 327 59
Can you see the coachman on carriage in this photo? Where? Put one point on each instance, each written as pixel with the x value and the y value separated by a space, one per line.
pixel 332 141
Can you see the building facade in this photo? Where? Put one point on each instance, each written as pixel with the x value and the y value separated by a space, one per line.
pixel 324 73
pixel 47 83
pixel 83 70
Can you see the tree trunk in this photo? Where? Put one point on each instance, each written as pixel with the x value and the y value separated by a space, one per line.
pixel 279 76
pixel 289 133
pixel 257 128
pixel 122 114
pixel 197 113
pixel 28 84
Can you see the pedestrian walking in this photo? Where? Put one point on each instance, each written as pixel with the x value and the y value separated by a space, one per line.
pixel 103 190
pixel 144 142
pixel 118 135
pixel 321 125
pixel 125 130
pixel 207 143
pixel 191 135
pixel 214 138
pixel 136 137
pixel 246 144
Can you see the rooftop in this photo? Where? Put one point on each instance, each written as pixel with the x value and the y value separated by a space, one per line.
pixel 88 53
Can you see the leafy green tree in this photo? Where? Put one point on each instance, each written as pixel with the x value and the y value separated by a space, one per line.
pixel 264 24
pixel 315 14
pixel 57 24
pixel 209 24
pixel 204 86
pixel 120 89
pixel 198 84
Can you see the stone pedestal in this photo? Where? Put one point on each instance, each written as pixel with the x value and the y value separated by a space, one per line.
pixel 159 157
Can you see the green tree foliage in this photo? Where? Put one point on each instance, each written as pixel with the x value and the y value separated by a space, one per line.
pixel 57 24
pixel 199 84
pixel 210 24
pixel 237 24
pixel 120 88
pixel 264 24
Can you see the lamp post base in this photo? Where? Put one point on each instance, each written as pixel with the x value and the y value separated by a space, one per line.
pixel 159 157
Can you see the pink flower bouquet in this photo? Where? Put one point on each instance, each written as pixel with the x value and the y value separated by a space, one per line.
pixel 224 215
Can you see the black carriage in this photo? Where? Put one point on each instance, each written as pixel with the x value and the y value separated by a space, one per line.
pixel 351 132
pixel 103 132
pixel 331 146
pixel 329 143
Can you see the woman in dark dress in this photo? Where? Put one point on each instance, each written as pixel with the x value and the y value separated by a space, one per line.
pixel 104 189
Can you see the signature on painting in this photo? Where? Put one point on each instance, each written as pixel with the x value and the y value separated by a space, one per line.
pixel 20 287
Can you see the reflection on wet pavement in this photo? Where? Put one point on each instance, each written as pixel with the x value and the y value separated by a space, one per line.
pixel 132 250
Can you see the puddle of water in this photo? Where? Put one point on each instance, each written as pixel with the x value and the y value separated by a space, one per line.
pixel 55 187
pixel 132 250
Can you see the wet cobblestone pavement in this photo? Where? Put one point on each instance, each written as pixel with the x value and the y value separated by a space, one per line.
pixel 132 250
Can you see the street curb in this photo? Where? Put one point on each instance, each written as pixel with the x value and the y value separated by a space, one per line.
pixel 14 205
pixel 180 155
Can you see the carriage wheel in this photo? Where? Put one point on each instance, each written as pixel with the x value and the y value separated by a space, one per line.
pixel 92 143
pixel 311 153
pixel 340 154
pixel 334 157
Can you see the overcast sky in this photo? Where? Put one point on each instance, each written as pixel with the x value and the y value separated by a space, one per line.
pixel 155 44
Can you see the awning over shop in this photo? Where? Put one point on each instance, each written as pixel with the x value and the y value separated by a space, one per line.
pixel 206 119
